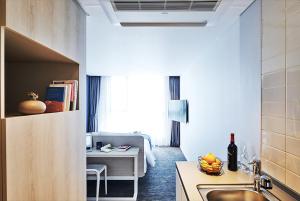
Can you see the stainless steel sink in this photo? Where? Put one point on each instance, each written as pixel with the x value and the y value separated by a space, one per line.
pixel 236 195
pixel 233 193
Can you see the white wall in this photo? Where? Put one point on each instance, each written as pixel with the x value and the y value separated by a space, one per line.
pixel 115 50
pixel 212 89
pixel 250 78
pixel 120 50
pixel 224 92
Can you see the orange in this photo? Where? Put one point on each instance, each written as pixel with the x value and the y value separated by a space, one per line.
pixel 210 158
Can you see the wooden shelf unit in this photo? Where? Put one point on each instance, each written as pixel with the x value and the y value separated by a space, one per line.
pixel 42 157
pixel 30 66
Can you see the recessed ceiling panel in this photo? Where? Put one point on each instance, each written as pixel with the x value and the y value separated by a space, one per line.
pixel 167 5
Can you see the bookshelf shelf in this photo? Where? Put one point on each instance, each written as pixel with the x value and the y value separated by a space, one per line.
pixel 16 115
pixel 30 66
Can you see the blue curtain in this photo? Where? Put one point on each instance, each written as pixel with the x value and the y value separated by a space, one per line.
pixel 174 87
pixel 93 97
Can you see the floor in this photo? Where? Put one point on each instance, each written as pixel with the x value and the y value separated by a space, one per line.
pixel 157 185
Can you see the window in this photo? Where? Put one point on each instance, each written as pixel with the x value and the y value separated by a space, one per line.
pixel 135 103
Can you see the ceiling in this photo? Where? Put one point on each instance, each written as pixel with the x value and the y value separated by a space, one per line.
pixel 211 17
pixel 113 49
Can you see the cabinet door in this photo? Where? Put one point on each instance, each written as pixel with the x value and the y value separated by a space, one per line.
pixel 45 157
pixel 178 187
pixel 180 194
pixel 183 197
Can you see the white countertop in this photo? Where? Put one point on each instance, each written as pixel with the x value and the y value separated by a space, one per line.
pixel 191 177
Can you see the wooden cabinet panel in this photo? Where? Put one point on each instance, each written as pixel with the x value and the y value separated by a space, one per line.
pixel 45 157
pixel 58 24
pixel 1 107
pixel 2 12
pixel 2 63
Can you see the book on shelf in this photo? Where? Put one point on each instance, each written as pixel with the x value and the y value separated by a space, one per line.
pixel 67 94
pixel 73 84
pixel 123 147
pixel 62 96
pixel 55 99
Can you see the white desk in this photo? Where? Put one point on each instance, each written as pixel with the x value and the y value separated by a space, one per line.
pixel 131 153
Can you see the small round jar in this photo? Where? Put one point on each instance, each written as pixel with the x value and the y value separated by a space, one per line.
pixel 32 107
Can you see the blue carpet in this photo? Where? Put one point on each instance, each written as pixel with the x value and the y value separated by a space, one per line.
pixel 159 183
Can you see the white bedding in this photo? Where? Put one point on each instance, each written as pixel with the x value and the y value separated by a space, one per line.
pixel 148 155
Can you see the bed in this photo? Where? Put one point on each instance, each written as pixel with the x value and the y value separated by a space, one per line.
pixel 142 141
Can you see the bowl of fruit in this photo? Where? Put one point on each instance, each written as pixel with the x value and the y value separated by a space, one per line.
pixel 210 164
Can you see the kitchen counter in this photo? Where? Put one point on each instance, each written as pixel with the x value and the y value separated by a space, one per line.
pixel 191 177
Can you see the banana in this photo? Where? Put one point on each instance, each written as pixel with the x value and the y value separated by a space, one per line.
pixel 204 162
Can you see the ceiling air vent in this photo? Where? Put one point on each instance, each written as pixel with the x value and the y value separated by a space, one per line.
pixel 204 5
pixel 159 5
pixel 163 24
pixel 178 5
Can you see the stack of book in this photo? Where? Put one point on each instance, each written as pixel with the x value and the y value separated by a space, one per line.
pixel 123 147
pixel 61 96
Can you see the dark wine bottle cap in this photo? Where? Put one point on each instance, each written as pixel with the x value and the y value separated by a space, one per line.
pixel 232 137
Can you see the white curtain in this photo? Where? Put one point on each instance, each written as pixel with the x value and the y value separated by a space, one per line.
pixel 135 103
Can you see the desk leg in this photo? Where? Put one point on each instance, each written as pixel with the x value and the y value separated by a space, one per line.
pixel 136 177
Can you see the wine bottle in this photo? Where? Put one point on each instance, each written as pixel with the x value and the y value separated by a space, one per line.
pixel 232 154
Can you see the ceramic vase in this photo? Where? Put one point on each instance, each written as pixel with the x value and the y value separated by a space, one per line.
pixel 33 106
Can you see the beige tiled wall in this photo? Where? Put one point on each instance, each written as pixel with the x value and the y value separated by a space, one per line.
pixel 273 88
pixel 281 90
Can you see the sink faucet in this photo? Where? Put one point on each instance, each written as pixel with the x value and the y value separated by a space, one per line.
pixel 260 181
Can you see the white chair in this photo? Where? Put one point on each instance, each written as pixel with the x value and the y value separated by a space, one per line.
pixel 97 169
